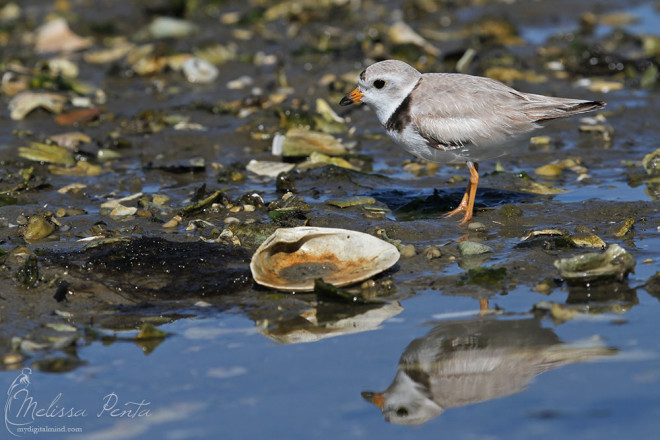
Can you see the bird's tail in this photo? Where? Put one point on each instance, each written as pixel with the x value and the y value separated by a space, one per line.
pixel 543 109
pixel 579 351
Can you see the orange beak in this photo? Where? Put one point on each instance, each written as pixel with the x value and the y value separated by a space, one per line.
pixel 376 398
pixel 354 96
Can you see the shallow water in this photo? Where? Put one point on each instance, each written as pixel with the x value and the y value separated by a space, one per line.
pixel 216 376
pixel 247 362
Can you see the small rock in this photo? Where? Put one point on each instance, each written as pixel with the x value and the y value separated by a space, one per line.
pixel 544 287
pixel 173 222
pixel 432 252
pixel 351 201
pixel 469 248
pixel 160 199
pixel 408 251
pixel 540 141
pixel 509 211
pixel 549 170
pixel 651 163
pixel 38 227
pixel 148 331
pixel 12 358
pixel 476 227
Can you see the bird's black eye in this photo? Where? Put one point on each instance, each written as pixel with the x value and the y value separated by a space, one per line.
pixel 379 84
pixel 402 412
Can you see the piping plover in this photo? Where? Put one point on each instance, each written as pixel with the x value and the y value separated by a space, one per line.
pixel 451 117
pixel 474 360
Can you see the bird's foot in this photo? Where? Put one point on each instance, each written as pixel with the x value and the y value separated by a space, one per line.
pixel 462 208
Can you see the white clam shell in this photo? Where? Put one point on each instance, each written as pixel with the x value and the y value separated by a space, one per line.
pixel 291 258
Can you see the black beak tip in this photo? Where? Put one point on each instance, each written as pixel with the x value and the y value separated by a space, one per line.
pixel 346 101
pixel 367 395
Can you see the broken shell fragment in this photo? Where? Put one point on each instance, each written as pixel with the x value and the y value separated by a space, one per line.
pixel 56 36
pixel 70 140
pixel 25 102
pixel 402 33
pixel 615 263
pixel 351 201
pixel 268 168
pixel 587 240
pixel 300 142
pixel 169 27
pixel 198 71
pixel 292 258
pixel 39 152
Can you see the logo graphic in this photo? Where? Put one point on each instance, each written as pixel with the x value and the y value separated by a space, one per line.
pixel 25 414
pixel 17 390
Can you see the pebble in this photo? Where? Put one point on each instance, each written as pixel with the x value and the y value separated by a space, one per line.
pixel 160 199
pixel 469 248
pixel 12 358
pixel 476 227
pixel 540 141
pixel 408 251
pixel 38 227
pixel 432 252
pixel 549 170
pixel 173 222
pixel 544 287
pixel 510 211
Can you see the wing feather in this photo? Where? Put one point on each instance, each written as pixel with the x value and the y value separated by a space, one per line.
pixel 454 110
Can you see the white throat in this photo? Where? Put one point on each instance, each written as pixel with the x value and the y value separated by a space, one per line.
pixel 384 108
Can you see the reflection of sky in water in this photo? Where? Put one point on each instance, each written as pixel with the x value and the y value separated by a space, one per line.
pixel 648 22
pixel 649 19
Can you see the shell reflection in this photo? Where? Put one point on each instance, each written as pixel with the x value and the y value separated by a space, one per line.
pixel 463 362
pixel 291 258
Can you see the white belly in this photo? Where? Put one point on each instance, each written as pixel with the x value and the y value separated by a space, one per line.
pixel 413 143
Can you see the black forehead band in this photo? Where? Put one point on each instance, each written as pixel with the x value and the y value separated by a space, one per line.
pixel 362 75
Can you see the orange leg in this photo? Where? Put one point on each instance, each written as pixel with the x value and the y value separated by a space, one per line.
pixel 467 203
pixel 483 305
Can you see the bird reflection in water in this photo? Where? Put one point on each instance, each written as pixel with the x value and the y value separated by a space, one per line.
pixel 463 362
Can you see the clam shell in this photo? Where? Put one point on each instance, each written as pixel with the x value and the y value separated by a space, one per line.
pixel 614 263
pixel 291 258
